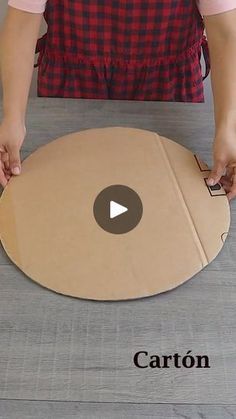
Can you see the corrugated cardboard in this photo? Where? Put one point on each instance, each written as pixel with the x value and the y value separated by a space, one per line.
pixel 48 229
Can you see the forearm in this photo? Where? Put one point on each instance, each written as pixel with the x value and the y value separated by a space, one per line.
pixel 18 38
pixel 222 44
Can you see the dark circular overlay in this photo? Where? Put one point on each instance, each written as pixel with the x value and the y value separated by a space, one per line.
pixel 120 195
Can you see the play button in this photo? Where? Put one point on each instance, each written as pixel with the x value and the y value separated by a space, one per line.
pixel 118 209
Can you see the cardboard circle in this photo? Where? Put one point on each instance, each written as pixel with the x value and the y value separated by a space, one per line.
pixel 48 229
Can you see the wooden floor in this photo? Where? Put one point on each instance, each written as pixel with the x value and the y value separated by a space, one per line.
pixel 62 357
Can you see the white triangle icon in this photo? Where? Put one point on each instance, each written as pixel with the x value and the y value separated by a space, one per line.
pixel 116 209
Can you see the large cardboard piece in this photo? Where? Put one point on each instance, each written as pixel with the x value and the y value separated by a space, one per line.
pixel 49 231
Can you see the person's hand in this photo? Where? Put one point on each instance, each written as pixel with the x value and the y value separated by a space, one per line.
pixel 12 135
pixel 224 168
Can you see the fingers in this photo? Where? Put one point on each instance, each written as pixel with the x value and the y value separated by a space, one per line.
pixel 224 175
pixel 216 173
pixel 226 180
pixel 226 184
pixel 5 158
pixel 232 190
pixel 3 177
pixel 10 163
pixel 14 159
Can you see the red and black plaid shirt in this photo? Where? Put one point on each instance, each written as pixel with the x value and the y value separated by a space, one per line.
pixel 122 49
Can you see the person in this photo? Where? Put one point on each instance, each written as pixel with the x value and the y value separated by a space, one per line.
pixel 123 49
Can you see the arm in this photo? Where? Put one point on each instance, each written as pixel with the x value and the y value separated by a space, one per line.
pixel 18 37
pixel 221 34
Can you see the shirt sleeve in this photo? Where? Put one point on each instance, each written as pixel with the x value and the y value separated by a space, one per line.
pixel 33 6
pixel 212 7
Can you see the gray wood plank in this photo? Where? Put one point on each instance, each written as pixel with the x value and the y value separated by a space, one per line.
pixel 72 410
pixel 189 124
pixel 58 348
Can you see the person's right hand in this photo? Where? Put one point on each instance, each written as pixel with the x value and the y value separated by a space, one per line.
pixel 12 135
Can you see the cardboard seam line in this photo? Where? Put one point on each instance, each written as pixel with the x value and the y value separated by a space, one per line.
pixel 197 240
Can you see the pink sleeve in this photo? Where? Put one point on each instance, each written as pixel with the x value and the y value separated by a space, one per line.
pixel 212 7
pixel 33 6
pixel 206 7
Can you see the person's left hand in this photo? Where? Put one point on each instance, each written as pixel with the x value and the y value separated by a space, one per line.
pixel 224 157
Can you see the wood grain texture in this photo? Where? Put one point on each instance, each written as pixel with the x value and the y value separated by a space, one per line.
pixel 58 348
pixel 73 410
